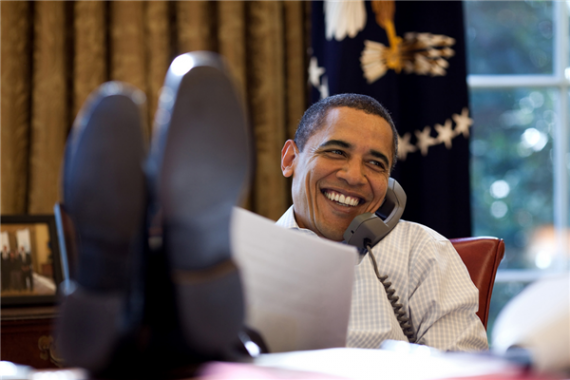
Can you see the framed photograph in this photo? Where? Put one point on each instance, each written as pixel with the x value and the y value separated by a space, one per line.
pixel 31 267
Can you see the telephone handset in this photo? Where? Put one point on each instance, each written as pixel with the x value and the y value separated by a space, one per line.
pixel 370 228
pixel 366 230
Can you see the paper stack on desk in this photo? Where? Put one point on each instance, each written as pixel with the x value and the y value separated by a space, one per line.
pixel 297 287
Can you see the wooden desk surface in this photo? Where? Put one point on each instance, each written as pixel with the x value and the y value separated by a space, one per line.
pixel 27 336
pixel 27 313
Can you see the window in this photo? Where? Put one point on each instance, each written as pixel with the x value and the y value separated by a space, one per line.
pixel 519 77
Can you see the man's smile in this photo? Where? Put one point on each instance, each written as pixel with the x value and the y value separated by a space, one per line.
pixel 341 199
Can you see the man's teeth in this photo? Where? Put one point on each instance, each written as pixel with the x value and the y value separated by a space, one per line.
pixel 340 198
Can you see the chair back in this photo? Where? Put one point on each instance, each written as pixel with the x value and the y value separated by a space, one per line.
pixel 67 239
pixel 482 256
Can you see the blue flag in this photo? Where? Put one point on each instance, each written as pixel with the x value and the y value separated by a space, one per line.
pixel 410 56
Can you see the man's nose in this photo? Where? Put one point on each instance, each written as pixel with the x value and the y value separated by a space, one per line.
pixel 352 173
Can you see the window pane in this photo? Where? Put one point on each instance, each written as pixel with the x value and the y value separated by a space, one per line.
pixel 511 173
pixel 509 37
pixel 503 292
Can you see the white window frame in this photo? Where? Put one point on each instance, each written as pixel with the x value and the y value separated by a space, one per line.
pixel 559 80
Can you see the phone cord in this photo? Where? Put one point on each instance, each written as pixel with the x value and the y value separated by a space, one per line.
pixel 404 321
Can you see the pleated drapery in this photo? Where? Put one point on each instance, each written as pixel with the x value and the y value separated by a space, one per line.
pixel 54 54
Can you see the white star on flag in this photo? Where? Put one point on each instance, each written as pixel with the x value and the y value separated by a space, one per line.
pixel 324 88
pixel 425 140
pixel 445 133
pixel 315 72
pixel 404 146
pixel 463 122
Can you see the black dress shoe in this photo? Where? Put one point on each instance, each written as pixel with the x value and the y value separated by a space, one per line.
pixel 105 198
pixel 200 165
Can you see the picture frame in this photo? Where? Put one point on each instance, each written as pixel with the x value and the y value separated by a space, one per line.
pixel 31 267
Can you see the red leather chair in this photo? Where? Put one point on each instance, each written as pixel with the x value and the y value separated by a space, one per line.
pixel 481 256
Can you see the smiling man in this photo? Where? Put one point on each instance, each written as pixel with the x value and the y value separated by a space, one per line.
pixel 340 162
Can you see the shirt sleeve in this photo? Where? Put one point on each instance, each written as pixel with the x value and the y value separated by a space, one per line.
pixel 443 300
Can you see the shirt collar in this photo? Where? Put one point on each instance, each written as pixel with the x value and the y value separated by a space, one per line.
pixel 288 220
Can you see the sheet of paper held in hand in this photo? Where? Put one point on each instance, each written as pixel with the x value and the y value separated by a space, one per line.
pixel 297 287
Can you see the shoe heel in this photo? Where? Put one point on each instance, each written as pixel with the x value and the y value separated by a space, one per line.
pixel 211 303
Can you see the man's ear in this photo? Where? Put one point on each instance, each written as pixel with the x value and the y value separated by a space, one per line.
pixel 289 155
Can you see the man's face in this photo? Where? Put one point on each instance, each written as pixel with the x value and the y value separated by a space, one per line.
pixel 342 172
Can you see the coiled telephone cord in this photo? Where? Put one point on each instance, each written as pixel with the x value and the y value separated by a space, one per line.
pixel 404 321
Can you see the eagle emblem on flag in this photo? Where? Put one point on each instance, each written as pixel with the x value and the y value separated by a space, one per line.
pixel 416 53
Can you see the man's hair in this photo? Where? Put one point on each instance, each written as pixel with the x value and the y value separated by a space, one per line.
pixel 314 118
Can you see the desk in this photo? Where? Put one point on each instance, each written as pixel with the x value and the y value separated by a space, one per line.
pixel 348 364
pixel 27 336
pixel 396 361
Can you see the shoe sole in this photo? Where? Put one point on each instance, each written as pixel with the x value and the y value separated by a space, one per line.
pixel 105 197
pixel 201 160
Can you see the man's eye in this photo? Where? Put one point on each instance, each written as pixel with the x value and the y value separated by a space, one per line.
pixel 379 164
pixel 337 151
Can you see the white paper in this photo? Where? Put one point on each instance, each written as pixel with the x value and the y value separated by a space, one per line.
pixel 417 363
pixel 298 287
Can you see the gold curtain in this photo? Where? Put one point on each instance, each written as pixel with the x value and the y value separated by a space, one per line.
pixel 53 54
